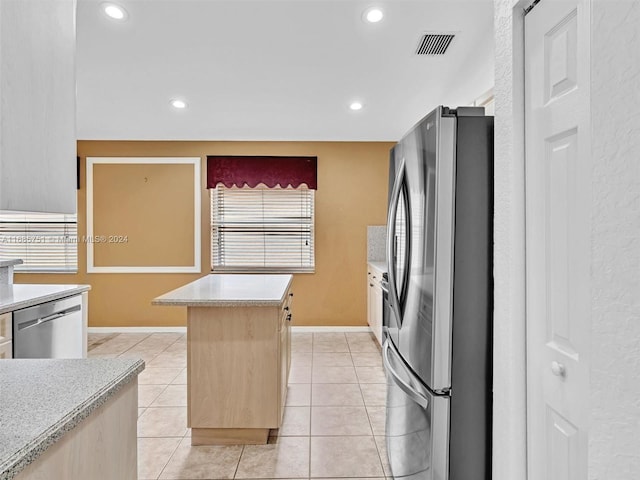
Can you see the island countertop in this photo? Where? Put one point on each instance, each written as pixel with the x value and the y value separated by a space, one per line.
pixel 41 400
pixel 229 290
pixel 16 296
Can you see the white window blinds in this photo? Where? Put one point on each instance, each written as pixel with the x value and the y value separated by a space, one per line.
pixel 46 242
pixel 262 229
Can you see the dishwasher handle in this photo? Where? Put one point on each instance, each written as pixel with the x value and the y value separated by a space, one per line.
pixel 54 316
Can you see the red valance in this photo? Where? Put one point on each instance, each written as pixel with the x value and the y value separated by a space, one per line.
pixel 271 171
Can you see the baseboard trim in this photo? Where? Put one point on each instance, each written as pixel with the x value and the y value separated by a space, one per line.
pixel 137 329
pixel 329 329
pixel 297 329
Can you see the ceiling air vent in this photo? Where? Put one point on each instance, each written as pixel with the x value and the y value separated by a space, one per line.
pixel 434 43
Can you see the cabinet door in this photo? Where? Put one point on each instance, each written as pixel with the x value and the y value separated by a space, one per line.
pixel 288 344
pixel 376 316
pixel 234 365
pixel 6 349
pixel 288 325
pixel 284 362
pixel 369 298
pixel 38 106
pixel 6 322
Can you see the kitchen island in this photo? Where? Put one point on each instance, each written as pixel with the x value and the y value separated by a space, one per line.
pixel 238 355
pixel 72 418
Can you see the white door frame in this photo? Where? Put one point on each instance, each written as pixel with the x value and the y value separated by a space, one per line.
pixel 509 369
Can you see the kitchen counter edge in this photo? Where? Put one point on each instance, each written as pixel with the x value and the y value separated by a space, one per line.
pixel 42 297
pixel 202 302
pixel 379 265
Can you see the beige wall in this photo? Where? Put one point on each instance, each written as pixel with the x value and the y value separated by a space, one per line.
pixel 352 193
pixel 133 202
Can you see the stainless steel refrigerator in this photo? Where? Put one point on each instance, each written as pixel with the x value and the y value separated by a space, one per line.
pixel 438 323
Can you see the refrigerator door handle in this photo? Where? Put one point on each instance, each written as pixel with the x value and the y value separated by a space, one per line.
pixel 404 386
pixel 391 236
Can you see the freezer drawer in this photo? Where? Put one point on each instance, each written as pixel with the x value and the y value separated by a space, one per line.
pixel 49 330
pixel 417 424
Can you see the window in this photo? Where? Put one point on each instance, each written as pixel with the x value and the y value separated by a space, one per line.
pixel 46 242
pixel 262 229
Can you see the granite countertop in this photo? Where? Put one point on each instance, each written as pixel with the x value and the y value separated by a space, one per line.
pixel 16 296
pixel 229 290
pixel 381 266
pixel 41 400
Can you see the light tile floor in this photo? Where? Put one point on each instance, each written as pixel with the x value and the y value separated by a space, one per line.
pixel 333 423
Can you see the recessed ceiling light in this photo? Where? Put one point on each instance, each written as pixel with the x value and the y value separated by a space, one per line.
pixel 114 11
pixel 373 15
pixel 355 106
pixel 177 103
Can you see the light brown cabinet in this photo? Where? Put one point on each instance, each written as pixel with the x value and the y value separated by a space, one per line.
pixel 102 446
pixel 374 301
pixel 285 352
pixel 238 361
pixel 6 347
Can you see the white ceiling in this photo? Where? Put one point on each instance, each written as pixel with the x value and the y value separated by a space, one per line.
pixel 274 69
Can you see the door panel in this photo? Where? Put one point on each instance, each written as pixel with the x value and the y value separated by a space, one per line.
pixel 563 446
pixel 560 165
pixel 561 57
pixel 416 433
pixel 377 300
pixel 425 333
pixel 416 326
pixel 283 365
pixel 558 183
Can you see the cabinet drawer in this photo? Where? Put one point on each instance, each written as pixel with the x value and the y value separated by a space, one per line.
pixel 375 277
pixel 287 304
pixel 286 311
pixel 6 350
pixel 285 319
pixel 5 327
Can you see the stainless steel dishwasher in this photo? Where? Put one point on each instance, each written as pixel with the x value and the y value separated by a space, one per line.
pixel 49 330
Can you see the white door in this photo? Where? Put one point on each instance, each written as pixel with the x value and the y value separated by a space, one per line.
pixel 558 183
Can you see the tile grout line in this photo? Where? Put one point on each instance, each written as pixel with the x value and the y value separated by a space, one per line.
pixel 158 396
pixel 373 435
pixel 154 356
pixel 313 340
pixel 375 443
pixel 235 472
pixel 170 456
pixel 139 341
pixel 102 341
pixel 118 353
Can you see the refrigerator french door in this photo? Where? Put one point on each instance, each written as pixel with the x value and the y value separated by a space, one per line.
pixel 437 351
pixel 416 418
